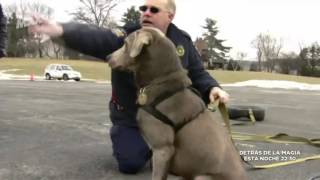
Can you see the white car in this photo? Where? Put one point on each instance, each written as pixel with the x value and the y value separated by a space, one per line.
pixel 61 71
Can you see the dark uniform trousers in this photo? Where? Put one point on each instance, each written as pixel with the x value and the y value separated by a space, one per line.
pixel 129 148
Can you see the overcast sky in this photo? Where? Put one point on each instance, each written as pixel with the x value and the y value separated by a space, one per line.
pixel 239 21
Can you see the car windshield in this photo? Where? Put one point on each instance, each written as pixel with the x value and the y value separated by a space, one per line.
pixel 67 68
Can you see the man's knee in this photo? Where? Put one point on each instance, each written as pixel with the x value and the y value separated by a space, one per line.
pixel 129 148
pixel 130 166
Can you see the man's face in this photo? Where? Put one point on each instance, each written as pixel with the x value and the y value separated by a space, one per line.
pixel 155 14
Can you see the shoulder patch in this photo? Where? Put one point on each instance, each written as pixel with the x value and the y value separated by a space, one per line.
pixel 119 32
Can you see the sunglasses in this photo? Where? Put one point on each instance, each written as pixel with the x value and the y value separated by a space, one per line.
pixel 152 9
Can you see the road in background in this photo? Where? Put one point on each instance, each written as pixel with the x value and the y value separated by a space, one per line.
pixel 59 130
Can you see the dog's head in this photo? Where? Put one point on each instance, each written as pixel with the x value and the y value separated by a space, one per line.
pixel 147 52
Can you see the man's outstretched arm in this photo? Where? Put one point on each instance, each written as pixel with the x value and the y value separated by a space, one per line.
pixel 87 39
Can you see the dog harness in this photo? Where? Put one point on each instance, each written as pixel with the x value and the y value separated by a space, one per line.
pixel 152 108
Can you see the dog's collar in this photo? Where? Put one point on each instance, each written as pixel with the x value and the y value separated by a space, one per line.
pixel 143 96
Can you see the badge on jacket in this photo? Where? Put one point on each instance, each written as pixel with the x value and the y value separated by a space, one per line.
pixel 180 50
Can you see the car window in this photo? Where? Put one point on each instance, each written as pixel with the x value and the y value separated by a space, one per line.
pixel 68 68
pixel 52 67
pixel 58 68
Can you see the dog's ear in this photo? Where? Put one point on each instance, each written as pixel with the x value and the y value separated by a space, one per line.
pixel 141 39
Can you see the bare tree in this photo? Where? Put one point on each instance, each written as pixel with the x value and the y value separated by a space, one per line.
pixel 22 10
pixel 96 12
pixel 268 50
pixel 258 45
pixel 241 58
pixel 58 50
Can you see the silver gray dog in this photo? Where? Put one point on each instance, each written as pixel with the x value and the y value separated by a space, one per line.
pixel 186 139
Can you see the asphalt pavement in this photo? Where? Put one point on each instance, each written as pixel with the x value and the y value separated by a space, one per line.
pixel 56 130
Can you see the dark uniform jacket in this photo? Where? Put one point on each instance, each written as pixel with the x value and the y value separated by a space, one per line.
pixel 102 42
pixel 3 33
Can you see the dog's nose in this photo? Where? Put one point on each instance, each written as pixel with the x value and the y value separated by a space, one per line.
pixel 110 61
pixel 108 57
pixel 113 63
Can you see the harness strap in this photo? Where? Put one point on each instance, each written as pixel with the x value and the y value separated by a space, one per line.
pixel 213 106
pixel 162 117
pixel 165 96
pixel 159 115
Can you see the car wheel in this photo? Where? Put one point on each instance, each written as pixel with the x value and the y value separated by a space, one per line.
pixel 77 79
pixel 48 77
pixel 65 77
pixel 240 111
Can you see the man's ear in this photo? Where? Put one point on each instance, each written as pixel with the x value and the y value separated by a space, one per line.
pixel 171 16
pixel 141 39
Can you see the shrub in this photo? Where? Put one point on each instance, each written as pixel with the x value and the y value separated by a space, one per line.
pixel 254 66
pixel 309 71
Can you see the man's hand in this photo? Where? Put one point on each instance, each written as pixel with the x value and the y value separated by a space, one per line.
pixel 216 93
pixel 40 25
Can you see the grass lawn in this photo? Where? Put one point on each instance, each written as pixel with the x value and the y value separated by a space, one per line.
pixel 101 71
pixel 88 69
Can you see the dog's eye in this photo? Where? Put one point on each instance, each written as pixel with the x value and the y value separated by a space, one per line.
pixel 125 44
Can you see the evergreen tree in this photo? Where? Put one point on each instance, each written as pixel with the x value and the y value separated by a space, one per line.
pixel 310 58
pixel 13 35
pixel 217 52
pixel 131 17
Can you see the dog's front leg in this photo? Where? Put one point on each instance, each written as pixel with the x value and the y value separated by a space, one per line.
pixel 160 138
pixel 161 161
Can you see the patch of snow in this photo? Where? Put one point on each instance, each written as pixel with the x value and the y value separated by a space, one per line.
pixel 276 84
pixel 5 76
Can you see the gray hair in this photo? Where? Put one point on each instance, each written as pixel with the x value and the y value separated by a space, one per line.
pixel 171 6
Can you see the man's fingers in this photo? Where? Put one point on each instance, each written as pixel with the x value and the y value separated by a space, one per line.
pixel 43 28
pixel 33 25
pixel 34 29
pixel 223 99
pixel 34 17
pixel 219 93
pixel 33 20
pixel 212 97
